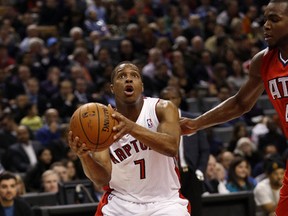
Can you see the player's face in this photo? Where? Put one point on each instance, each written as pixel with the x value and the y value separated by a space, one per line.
pixel 275 27
pixel 8 189
pixel 127 83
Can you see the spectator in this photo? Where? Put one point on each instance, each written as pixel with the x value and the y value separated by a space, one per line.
pixel 269 150
pixel 33 176
pixel 6 60
pixel 267 191
pixel 239 130
pixel 221 177
pixel 259 128
pixel 82 90
pixel 16 83
pixel 71 169
pixel 56 56
pixel 50 85
pixel 231 11
pixel 50 181
pixel 21 156
pixel 65 101
pixel 18 107
pixel 10 203
pixel 225 158
pixel 47 8
pixel 35 96
pixel 60 168
pixel 274 135
pixel 247 149
pixel 8 131
pixel 239 178
pixel 51 128
pixel 32 120
pixel 31 32
pixel 155 57
pixel 95 23
pixel 238 76
pixel 210 180
pixel 21 187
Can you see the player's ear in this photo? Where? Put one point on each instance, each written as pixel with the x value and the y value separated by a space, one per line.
pixel 112 88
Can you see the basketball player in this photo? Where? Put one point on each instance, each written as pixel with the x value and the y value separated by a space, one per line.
pixel 269 71
pixel 139 168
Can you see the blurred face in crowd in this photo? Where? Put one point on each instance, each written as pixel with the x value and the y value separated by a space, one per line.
pixel 226 159
pixel 23 134
pixel 242 170
pixel 62 172
pixel 210 171
pixel 276 178
pixel 8 190
pixel 46 156
pixel 50 182
pixel 220 171
pixel 71 170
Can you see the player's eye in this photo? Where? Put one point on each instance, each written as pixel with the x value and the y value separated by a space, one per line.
pixel 121 76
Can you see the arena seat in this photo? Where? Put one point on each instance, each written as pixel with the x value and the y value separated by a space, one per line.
pixel 264 102
pixel 193 105
pixel 224 134
pixel 232 204
pixel 208 103
pixel 41 199
pixel 66 210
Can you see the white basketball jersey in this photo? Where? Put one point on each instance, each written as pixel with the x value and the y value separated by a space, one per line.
pixel 140 174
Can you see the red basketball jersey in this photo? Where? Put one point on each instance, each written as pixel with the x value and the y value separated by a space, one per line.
pixel 274 72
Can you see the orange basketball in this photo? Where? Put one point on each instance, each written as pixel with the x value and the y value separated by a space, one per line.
pixel 93 123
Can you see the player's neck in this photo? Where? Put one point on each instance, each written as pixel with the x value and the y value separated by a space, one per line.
pixel 130 111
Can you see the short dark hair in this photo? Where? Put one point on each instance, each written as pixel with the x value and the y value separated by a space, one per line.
pixel 127 63
pixel 7 175
pixel 273 163
pixel 279 1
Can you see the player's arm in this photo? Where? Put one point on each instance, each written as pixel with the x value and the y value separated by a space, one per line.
pixel 165 140
pixel 233 107
pixel 96 165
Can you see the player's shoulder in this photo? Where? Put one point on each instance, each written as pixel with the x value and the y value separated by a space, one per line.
pixel 265 52
pixel 258 56
pixel 164 104
pixel 257 60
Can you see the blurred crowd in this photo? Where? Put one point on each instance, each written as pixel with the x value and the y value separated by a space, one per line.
pixel 58 54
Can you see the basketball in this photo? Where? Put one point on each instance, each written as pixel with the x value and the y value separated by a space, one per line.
pixel 93 123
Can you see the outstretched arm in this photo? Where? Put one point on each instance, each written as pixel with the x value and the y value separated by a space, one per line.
pixel 233 107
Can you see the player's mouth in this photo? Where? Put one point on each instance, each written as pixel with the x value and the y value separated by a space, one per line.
pixel 267 37
pixel 129 90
